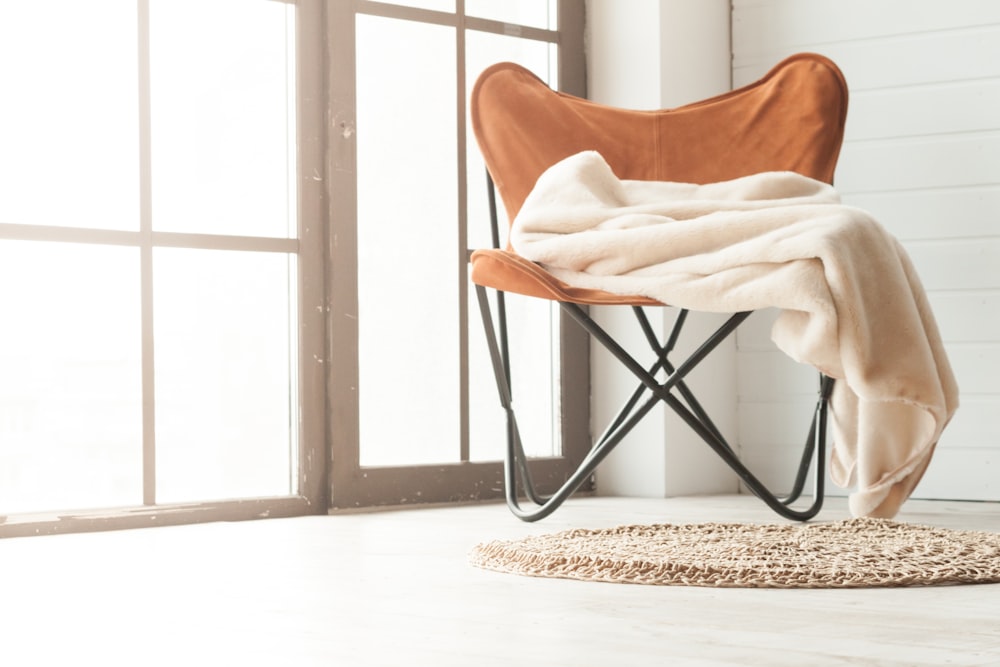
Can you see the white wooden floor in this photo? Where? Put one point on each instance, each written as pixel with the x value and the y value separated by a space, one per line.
pixel 394 589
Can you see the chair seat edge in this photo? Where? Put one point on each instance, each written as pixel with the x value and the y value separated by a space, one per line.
pixel 509 272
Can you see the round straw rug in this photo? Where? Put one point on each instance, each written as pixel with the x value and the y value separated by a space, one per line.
pixel 847 554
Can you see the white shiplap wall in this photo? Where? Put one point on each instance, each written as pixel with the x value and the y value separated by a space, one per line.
pixel 922 152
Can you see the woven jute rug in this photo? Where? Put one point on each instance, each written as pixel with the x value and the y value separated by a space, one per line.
pixel 854 553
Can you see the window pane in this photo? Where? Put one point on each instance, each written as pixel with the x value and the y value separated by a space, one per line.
pixel 483 50
pixel 532 323
pixel 437 5
pixel 222 116
pixel 69 121
pixel 534 13
pixel 223 361
pixel 408 262
pixel 532 326
pixel 70 377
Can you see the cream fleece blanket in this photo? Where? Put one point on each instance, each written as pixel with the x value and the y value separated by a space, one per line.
pixel 851 303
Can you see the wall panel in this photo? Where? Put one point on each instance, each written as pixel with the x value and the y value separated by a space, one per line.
pixel 922 153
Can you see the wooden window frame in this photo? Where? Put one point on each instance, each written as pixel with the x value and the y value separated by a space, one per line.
pixel 352 485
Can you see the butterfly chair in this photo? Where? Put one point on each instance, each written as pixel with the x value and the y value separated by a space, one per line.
pixel 790 120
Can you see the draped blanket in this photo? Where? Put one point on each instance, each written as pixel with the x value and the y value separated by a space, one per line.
pixel 851 303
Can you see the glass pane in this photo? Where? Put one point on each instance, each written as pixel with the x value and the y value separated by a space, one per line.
pixel 437 5
pixel 532 323
pixel 408 263
pixel 483 50
pixel 533 341
pixel 222 116
pixel 70 377
pixel 69 135
pixel 223 360
pixel 534 13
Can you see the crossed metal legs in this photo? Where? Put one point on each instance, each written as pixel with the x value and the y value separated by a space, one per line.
pixel 673 392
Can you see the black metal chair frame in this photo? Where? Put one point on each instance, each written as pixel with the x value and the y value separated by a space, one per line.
pixel 672 391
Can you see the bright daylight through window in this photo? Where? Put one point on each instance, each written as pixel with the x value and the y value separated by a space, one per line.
pixel 148 253
pixel 234 243
pixel 399 62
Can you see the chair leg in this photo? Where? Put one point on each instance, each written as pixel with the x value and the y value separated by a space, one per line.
pixel 516 466
pixel 815 445
pixel 663 351
pixel 695 418
pixel 515 461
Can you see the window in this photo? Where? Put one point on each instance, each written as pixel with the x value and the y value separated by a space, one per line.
pixel 155 250
pixel 415 414
pixel 232 243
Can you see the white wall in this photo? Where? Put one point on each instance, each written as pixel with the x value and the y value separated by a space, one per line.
pixel 649 54
pixel 922 152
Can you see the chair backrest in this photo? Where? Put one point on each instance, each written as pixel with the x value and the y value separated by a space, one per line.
pixel 790 120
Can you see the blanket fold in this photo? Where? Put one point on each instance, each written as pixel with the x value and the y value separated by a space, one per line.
pixel 851 302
